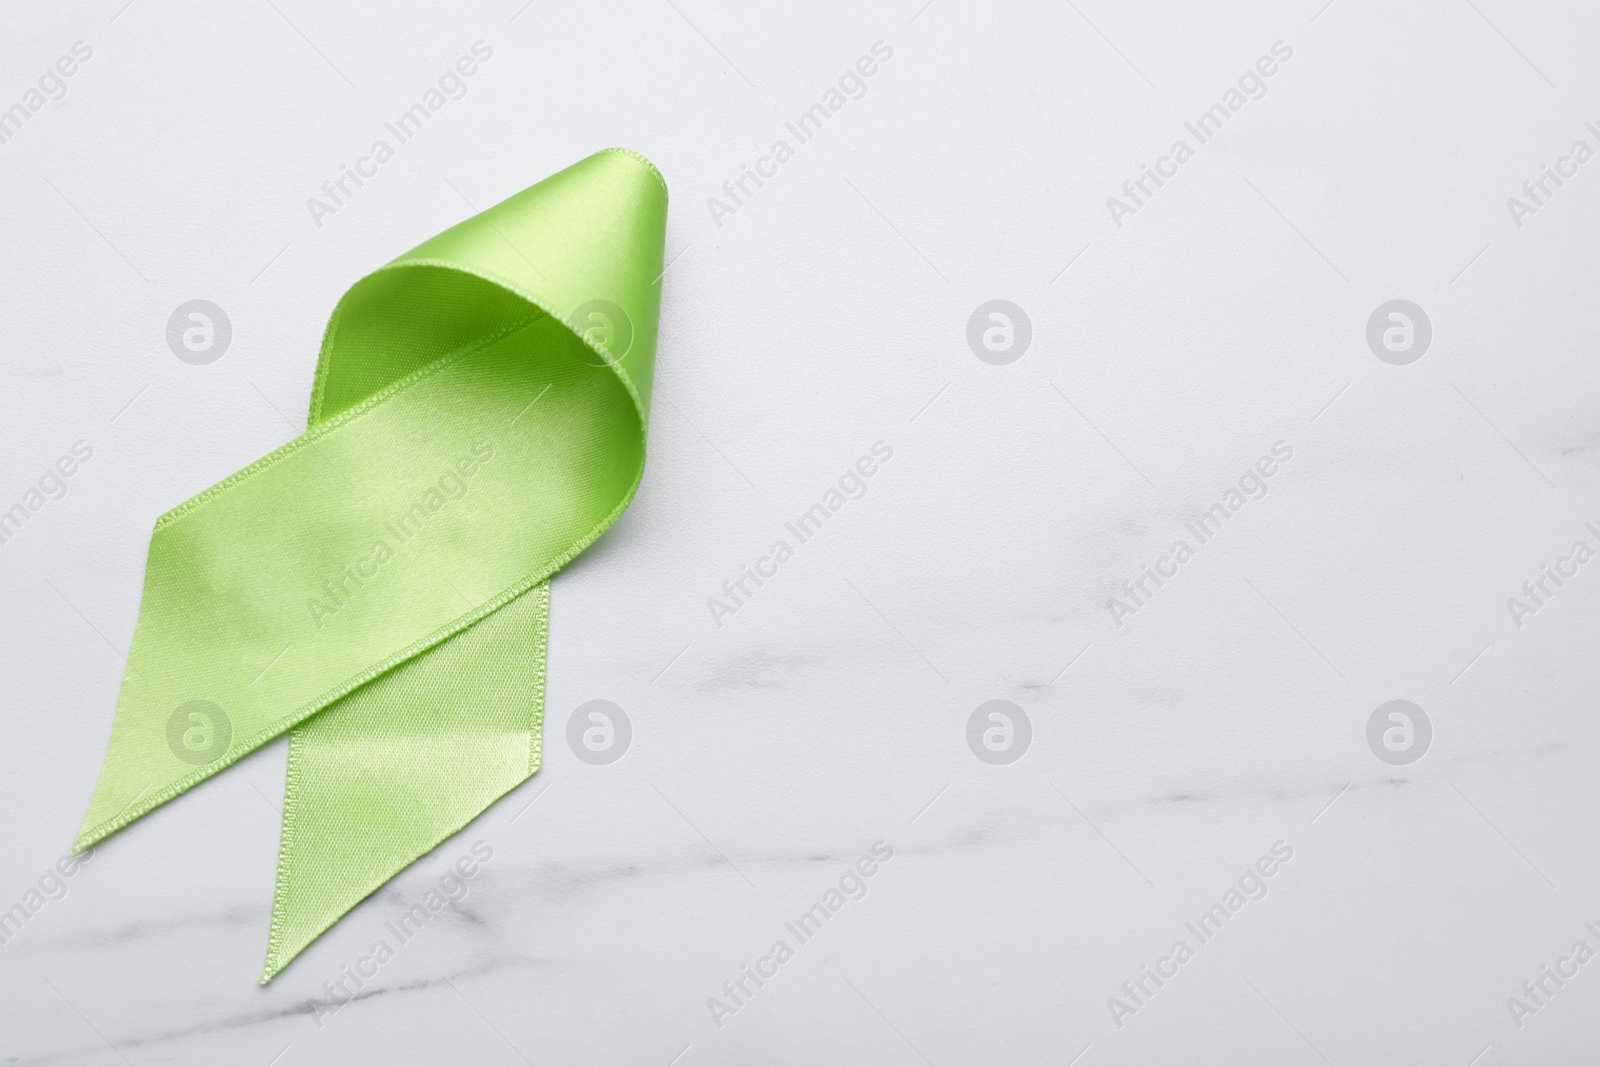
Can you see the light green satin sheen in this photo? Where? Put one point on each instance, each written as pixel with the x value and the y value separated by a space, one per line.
pixel 378 587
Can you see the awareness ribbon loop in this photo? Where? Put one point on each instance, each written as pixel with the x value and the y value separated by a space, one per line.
pixel 379 587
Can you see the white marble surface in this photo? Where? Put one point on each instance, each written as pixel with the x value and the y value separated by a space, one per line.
pixel 827 313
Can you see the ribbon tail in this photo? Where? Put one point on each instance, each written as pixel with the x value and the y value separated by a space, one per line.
pixel 382 776
pixel 478 418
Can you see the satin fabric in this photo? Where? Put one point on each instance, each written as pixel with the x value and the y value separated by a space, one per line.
pixel 378 587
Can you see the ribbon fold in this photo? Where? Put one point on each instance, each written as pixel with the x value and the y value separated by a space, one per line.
pixel 379 587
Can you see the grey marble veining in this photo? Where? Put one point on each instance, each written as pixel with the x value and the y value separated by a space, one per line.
pixel 1182 736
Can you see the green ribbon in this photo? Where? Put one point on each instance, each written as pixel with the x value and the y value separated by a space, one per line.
pixel 379 587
